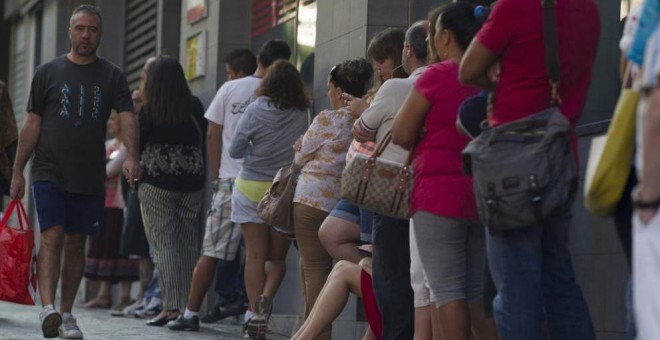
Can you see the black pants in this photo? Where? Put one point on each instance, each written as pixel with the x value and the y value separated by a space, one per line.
pixel 391 277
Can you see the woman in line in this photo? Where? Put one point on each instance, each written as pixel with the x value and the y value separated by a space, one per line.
pixel 172 132
pixel 322 155
pixel 346 277
pixel 264 138
pixel 347 225
pixel 104 262
pixel 449 237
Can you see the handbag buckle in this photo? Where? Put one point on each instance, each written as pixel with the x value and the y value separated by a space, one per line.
pixel 365 174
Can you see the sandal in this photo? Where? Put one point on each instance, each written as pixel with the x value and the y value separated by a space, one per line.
pixel 118 309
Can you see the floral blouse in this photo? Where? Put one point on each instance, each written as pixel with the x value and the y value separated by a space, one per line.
pixel 323 156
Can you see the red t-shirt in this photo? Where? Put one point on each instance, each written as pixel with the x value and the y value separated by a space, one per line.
pixel 514 31
pixel 440 187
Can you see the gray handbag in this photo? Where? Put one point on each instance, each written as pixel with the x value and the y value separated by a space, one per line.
pixel 523 171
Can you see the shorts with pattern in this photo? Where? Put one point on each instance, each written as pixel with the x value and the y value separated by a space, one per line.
pixel 222 236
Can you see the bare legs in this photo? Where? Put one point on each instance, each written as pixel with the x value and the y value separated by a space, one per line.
pixel 460 321
pixel 455 320
pixel 73 267
pixel 340 238
pixel 264 261
pixel 427 323
pixel 344 279
pixel 53 240
pixel 201 281
pixel 483 328
pixel 102 298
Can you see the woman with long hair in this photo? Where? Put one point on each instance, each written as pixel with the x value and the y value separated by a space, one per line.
pixel 264 138
pixel 449 237
pixel 322 155
pixel 172 130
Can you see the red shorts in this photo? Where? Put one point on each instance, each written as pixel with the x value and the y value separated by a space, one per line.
pixel 369 303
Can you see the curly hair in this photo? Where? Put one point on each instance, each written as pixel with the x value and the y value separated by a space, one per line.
pixel 284 86
pixel 352 76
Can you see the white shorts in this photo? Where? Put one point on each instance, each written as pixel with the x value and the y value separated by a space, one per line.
pixel 243 210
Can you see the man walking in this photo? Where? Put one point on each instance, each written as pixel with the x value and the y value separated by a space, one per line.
pixel 222 237
pixel 71 98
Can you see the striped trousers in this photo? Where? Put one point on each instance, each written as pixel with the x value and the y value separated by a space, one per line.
pixel 173 229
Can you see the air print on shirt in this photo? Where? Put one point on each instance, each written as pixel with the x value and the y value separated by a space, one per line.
pixel 67 110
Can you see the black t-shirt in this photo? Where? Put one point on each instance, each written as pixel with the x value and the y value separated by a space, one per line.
pixel 172 156
pixel 74 103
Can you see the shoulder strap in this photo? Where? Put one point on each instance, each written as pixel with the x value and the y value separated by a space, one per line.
pixel 550 41
pixel 201 133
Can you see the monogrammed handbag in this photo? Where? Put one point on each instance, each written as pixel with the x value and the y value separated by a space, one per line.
pixel 377 184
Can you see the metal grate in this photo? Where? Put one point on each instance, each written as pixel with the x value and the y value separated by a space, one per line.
pixel 141 37
pixel 19 86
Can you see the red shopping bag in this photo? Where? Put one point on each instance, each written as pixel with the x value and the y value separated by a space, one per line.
pixel 18 260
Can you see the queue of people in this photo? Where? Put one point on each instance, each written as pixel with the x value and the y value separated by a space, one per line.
pixel 420 277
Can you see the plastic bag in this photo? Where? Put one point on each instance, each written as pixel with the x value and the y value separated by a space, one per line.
pixel 18 259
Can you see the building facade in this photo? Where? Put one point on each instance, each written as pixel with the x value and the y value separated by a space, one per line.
pixel 322 33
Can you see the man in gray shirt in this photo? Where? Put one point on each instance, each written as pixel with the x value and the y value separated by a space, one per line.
pixel 71 98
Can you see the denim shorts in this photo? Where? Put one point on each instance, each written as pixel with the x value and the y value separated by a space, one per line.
pixel 352 213
pixel 76 213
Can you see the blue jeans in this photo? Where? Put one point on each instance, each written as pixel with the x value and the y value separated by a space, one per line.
pixel 391 277
pixel 534 278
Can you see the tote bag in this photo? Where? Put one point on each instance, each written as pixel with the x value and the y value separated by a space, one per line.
pixel 18 260
pixel 609 163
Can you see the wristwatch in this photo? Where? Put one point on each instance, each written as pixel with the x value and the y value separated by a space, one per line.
pixel 640 203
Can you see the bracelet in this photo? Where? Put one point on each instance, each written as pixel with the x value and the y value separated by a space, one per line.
pixel 642 204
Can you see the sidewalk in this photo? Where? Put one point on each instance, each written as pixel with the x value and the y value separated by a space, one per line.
pixel 18 322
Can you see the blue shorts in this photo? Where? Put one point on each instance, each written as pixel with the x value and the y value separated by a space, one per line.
pixel 352 213
pixel 77 213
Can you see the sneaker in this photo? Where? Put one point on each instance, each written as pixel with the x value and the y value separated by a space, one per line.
pixel 183 324
pixel 69 329
pixel 221 312
pixel 50 321
pixel 256 328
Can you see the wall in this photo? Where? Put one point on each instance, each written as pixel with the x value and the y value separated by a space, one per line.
pixel 203 87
